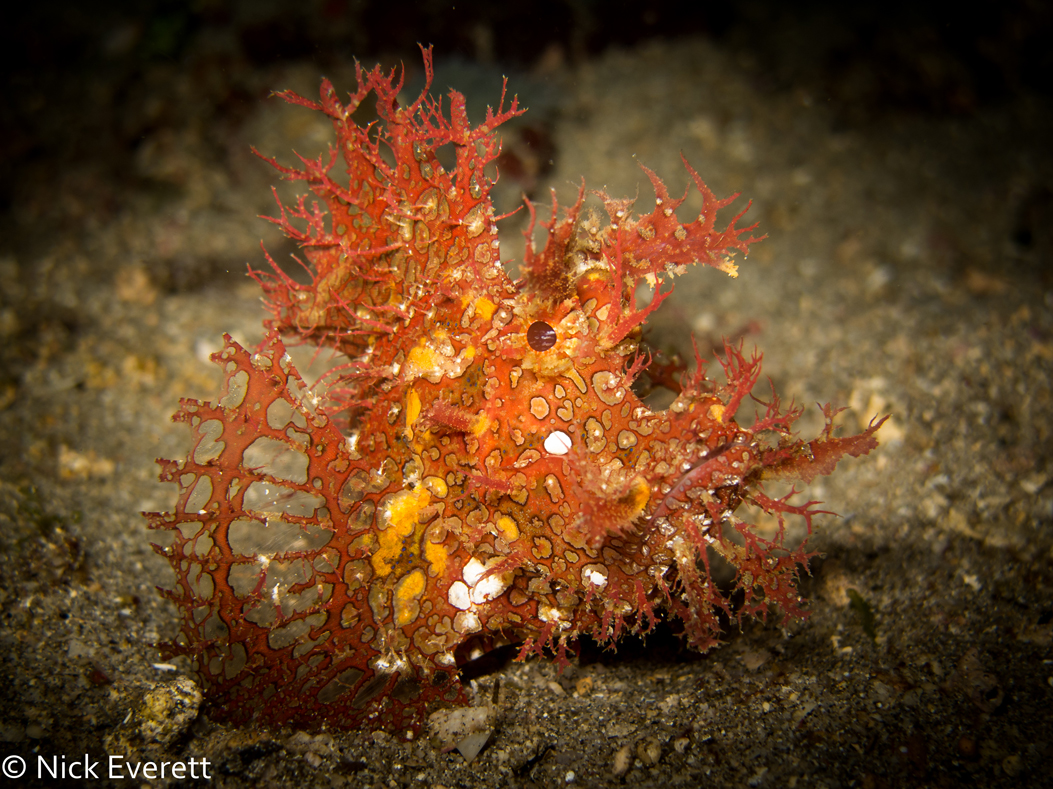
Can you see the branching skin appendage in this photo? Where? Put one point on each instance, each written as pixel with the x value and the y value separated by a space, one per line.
pixel 478 465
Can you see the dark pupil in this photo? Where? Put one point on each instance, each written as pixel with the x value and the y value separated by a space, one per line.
pixel 541 336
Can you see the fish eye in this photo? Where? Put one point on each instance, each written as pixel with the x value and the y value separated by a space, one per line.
pixel 540 336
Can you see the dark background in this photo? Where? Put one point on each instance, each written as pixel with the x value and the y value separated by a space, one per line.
pixel 77 74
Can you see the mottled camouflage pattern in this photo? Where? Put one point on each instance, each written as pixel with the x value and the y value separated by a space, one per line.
pixel 448 482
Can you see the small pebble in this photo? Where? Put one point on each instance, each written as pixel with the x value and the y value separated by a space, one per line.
pixel 1012 765
pixel 168 709
pixel 649 751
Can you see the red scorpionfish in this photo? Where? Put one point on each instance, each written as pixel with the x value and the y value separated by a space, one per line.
pixel 477 467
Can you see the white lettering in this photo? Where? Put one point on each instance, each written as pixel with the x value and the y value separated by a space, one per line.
pixel 53 769
pixel 84 769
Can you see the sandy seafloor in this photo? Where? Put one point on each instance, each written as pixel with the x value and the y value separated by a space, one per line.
pixel 906 271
